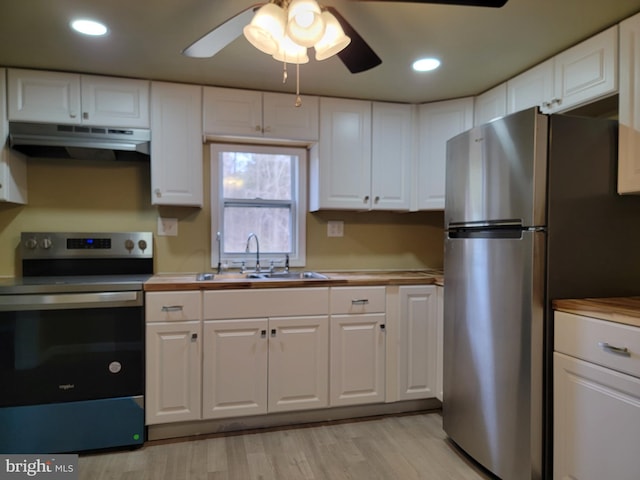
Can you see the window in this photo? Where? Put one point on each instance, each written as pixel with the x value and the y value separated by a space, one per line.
pixel 260 190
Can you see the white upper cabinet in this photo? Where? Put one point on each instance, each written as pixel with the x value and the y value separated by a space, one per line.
pixel 579 75
pixel 490 105
pixel 176 144
pixel 363 159
pixel 247 113
pixel 13 166
pixel 114 102
pixel 55 97
pixel 391 156
pixel 437 123
pixel 586 72
pixel 629 107
pixel 341 161
pixel 531 88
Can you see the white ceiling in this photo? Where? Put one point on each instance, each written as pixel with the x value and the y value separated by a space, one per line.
pixel 479 47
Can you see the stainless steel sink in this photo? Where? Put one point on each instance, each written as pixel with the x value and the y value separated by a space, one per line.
pixel 288 275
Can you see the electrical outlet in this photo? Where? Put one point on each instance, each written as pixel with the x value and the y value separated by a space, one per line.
pixel 167 227
pixel 335 228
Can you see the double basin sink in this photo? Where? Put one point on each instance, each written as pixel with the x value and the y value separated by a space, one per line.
pixel 263 276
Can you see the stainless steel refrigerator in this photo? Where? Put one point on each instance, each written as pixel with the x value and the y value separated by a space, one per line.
pixel 531 215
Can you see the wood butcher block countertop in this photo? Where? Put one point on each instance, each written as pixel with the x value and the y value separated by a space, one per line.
pixel 616 309
pixel 225 281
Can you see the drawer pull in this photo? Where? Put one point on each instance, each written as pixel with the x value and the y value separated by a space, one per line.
pixel 624 351
pixel 172 308
pixel 194 337
pixel 360 301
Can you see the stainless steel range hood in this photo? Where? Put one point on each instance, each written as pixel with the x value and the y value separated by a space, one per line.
pixel 44 140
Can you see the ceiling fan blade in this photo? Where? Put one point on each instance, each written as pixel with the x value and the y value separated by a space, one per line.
pixel 222 35
pixel 358 55
pixel 470 3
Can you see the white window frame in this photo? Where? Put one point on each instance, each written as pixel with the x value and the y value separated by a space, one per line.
pixel 298 255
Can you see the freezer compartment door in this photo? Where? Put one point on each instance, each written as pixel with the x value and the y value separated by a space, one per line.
pixel 497 172
pixel 493 327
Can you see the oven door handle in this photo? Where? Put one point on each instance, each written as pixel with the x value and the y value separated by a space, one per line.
pixel 57 301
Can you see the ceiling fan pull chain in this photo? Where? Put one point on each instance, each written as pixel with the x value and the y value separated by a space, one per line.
pixel 298 98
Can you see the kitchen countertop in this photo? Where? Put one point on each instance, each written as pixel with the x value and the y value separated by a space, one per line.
pixel 225 281
pixel 624 310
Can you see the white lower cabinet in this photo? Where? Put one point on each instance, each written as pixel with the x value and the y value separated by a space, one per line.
pixel 596 406
pixel 358 345
pixel 265 351
pixel 236 358
pixel 439 342
pixel 173 356
pixel 417 338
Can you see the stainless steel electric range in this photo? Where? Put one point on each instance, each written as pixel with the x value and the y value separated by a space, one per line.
pixel 72 343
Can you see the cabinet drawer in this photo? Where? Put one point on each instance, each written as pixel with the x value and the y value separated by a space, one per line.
pixel 595 341
pixel 173 306
pixel 358 300
pixel 264 303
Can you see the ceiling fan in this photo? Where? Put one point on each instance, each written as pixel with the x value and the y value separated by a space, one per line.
pixel 357 56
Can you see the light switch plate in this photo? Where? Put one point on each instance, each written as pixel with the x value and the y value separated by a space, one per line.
pixel 335 228
pixel 167 227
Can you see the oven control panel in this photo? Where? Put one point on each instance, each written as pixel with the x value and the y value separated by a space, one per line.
pixel 86 245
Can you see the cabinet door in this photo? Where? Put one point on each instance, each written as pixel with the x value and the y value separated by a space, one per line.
pixel 234 368
pixel 173 366
pixel 438 122
pixel 391 156
pixel 340 174
pixel 283 120
pixel 357 359
pixel 229 111
pixel 115 102
pixel 596 410
pixel 490 105
pixel 629 107
pixel 531 88
pixel 36 96
pixel 298 363
pixel 418 342
pixel 587 71
pixel 13 166
pixel 439 341
pixel 176 144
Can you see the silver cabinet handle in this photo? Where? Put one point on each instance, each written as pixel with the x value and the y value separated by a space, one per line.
pixel 624 351
pixel 172 308
pixel 360 301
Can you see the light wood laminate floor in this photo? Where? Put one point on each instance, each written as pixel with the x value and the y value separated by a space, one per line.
pixel 403 447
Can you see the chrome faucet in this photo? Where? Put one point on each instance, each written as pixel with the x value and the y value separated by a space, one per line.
pixel 253 235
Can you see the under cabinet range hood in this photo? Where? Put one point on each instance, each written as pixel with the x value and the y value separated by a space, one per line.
pixel 45 140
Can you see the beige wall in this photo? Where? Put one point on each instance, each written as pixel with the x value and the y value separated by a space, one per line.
pixel 71 195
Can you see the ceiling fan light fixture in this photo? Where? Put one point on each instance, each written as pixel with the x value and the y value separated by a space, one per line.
pixel 334 39
pixel 266 30
pixel 291 52
pixel 305 24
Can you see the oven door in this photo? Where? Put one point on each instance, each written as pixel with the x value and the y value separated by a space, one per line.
pixel 67 347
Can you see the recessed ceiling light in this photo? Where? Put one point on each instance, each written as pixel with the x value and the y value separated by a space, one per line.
pixel 89 27
pixel 426 64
